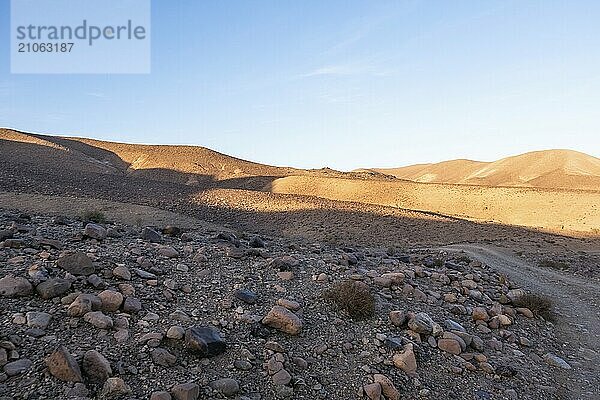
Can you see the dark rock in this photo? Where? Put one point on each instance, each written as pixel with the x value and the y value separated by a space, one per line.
pixel 259 330
pixel 151 235
pixel 162 357
pixel 96 366
pixel 132 305
pixel 114 388
pixel 53 287
pixel 77 264
pixel 393 343
pixel 17 367
pixel 205 341
pixel 421 323
pixel 247 296
pixel 161 395
pixel 96 281
pixel 453 326
pixel 186 391
pixel 13 286
pixel 227 386
pixel 144 274
pixel 6 234
pixel 56 244
pixel 257 242
pixel 95 231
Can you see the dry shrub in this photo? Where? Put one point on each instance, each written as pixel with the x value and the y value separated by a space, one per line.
pixel 353 297
pixel 96 216
pixel 563 266
pixel 540 305
pixel 463 258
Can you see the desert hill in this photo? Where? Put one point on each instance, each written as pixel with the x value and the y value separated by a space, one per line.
pixel 566 169
pixel 312 203
pixel 184 164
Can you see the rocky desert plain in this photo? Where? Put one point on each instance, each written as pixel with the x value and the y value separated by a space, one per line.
pixel 175 272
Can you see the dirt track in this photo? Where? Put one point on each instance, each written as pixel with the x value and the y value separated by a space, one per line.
pixel 577 302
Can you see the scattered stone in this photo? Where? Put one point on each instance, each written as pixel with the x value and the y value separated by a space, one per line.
pixel 421 323
pixel 162 395
pixel 114 388
pixel 168 251
pixel 186 391
pixel 162 357
pixel 132 305
pixel 36 319
pixel 98 319
pixel 151 235
pixel 95 231
pixel 556 361
pixel 83 304
pixel 176 333
pixel 205 341
pixel 387 387
pixel 53 288
pixel 227 386
pixel 398 318
pixel 406 360
pixel 62 365
pixel 77 264
pixel 480 314
pixel 96 366
pixel 451 346
pixel 11 286
pixel 284 320
pixel 122 272
pixel 111 300
pixel 373 391
pixel 289 304
pixel 17 367
pixel 281 377
pixel 247 296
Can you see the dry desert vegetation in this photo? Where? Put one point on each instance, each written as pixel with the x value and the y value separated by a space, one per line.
pixel 176 272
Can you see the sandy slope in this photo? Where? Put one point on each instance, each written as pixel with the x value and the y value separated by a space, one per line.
pixel 542 169
pixel 554 210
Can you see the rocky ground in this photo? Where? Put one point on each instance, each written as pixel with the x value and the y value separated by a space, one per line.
pixel 112 311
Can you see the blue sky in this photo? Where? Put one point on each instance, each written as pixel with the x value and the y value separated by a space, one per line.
pixel 344 84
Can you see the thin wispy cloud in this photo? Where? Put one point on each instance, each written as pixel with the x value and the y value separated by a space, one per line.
pixel 349 70
pixel 97 95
